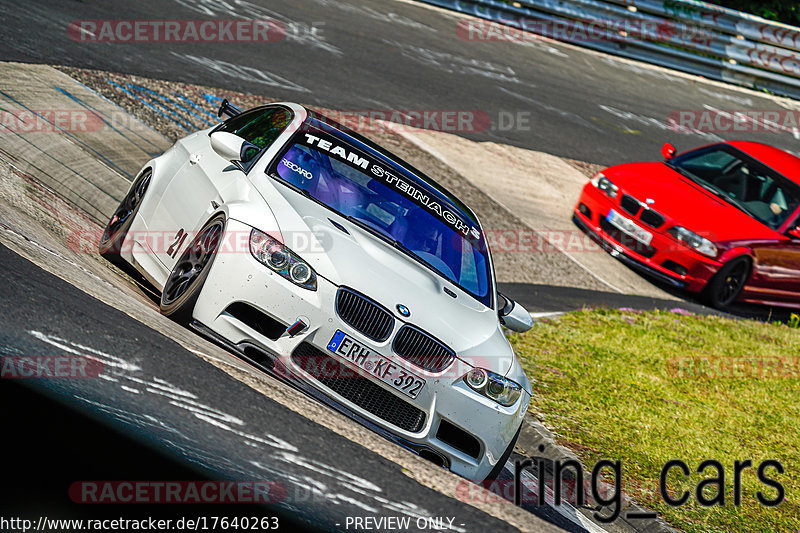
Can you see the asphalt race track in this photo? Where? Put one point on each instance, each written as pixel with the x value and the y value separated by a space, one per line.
pixel 160 393
pixel 383 55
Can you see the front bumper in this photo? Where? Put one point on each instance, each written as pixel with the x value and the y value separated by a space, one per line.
pixel 238 277
pixel 664 259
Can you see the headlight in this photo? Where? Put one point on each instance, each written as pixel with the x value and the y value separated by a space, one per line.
pixel 493 386
pixel 282 260
pixel 476 378
pixel 604 184
pixel 300 273
pixel 693 240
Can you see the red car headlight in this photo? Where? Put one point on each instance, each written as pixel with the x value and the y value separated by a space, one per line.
pixel 693 240
pixel 604 184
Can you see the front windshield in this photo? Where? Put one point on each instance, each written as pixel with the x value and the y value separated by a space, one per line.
pixel 742 181
pixel 388 201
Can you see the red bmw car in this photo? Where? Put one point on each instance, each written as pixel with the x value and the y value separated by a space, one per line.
pixel 722 220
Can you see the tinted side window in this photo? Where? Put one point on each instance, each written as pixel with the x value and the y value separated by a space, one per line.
pixel 259 127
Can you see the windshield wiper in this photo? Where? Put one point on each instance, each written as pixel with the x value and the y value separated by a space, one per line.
pixel 735 203
pixel 395 243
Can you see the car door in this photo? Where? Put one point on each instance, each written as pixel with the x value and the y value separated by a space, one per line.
pixel 777 266
pixel 206 180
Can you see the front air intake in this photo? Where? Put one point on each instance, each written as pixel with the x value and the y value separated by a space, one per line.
pixel 362 391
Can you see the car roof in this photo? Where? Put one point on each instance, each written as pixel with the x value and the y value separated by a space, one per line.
pixel 775 158
pixel 392 157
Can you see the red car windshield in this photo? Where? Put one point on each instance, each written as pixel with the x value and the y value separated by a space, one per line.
pixel 742 181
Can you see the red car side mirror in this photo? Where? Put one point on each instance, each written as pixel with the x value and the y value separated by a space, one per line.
pixel 668 151
pixel 794 232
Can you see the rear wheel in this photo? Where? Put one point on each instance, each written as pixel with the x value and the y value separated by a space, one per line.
pixel 727 284
pixel 117 228
pixel 190 272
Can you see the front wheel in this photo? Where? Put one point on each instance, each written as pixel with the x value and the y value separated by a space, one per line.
pixel 727 284
pixel 190 272
pixel 117 228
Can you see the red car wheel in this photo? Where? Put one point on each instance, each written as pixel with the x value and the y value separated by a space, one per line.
pixel 727 284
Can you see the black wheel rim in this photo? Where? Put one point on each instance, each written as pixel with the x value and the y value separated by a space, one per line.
pixel 192 262
pixel 126 209
pixel 732 283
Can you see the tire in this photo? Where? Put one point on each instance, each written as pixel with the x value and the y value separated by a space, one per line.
pixel 504 458
pixel 120 222
pixel 727 284
pixel 186 280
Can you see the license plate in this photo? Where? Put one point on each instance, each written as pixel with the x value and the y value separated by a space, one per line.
pixel 628 227
pixel 375 364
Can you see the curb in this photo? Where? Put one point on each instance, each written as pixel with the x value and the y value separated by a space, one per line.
pixel 534 434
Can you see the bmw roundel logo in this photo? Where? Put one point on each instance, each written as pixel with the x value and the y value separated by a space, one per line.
pixel 403 310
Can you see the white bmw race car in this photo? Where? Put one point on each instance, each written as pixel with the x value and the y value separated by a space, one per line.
pixel 319 256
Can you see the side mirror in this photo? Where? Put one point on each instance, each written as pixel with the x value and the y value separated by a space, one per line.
pixel 668 151
pixel 232 147
pixel 513 315
pixel 794 232
pixel 227 145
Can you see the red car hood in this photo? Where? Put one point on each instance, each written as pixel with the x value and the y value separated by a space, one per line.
pixel 685 203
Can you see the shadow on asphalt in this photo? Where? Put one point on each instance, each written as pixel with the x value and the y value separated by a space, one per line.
pixel 55 446
pixel 549 298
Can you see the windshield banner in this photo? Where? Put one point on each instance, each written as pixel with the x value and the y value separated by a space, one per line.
pixel 412 190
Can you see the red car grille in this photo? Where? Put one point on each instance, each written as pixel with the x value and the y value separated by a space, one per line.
pixel 632 206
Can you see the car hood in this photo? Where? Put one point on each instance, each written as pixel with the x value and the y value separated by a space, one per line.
pixel 685 203
pixel 347 255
